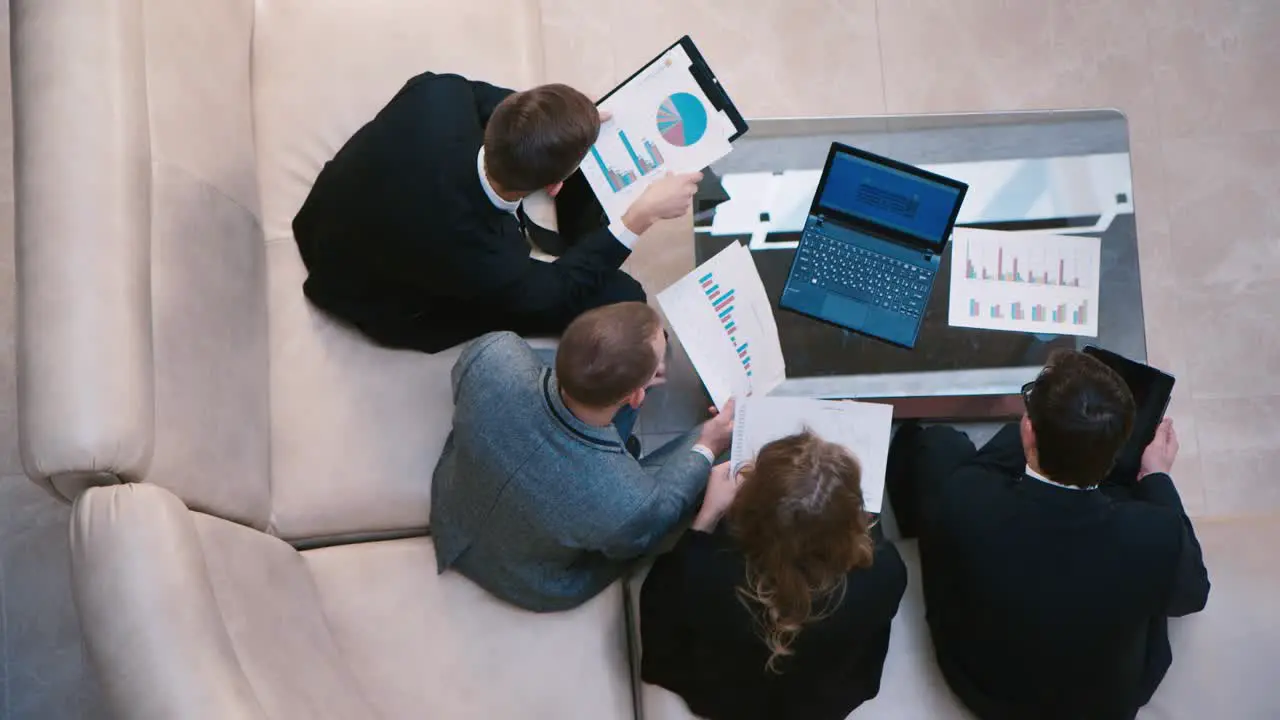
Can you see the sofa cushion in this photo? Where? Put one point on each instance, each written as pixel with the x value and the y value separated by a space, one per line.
pixel 272 612
pixel 436 646
pixel 355 429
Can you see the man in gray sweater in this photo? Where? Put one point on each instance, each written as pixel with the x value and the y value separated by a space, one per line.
pixel 535 497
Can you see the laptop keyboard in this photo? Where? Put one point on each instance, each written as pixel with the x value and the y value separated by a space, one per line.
pixel 861 274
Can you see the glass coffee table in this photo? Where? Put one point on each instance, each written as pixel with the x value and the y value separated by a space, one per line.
pixel 1061 171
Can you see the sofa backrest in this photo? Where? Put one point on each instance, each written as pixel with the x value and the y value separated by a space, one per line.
pixel 141 278
pixel 162 151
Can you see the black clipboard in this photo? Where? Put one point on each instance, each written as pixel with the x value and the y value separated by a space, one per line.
pixel 706 80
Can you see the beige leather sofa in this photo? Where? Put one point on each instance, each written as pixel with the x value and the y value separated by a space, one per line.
pixel 253 539
pixel 251 481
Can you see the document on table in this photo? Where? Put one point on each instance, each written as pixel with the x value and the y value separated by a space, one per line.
pixel 661 122
pixel 722 315
pixel 1028 282
pixel 863 428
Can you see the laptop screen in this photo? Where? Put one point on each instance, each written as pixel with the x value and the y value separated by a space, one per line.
pixel 879 194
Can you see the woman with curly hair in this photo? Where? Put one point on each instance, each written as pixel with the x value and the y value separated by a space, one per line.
pixel 783 610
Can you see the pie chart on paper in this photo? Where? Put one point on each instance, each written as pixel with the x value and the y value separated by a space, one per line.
pixel 682 119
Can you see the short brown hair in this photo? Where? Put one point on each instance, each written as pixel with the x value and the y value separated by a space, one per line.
pixel 538 137
pixel 800 522
pixel 608 353
pixel 1082 414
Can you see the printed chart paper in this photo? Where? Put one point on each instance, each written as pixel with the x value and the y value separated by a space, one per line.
pixel 721 314
pixel 1026 282
pixel 662 122
pixel 863 428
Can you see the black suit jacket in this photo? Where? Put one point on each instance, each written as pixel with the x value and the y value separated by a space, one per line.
pixel 1051 603
pixel 400 239
pixel 700 641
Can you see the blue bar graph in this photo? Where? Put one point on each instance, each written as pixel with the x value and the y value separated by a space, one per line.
pixel 631 151
pixel 722 305
pixel 617 179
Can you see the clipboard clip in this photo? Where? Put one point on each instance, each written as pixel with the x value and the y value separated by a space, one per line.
pixel 709 84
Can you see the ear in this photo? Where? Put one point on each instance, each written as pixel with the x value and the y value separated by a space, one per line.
pixel 554 190
pixel 1028 436
pixel 636 399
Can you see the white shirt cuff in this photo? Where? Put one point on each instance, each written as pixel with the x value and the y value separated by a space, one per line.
pixel 705 452
pixel 624 236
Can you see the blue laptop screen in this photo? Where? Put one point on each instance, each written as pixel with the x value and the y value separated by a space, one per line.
pixel 889 197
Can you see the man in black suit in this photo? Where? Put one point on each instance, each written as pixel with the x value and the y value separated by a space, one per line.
pixel 1048 591
pixel 413 233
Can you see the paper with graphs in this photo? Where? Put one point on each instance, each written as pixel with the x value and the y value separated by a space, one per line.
pixel 863 428
pixel 722 315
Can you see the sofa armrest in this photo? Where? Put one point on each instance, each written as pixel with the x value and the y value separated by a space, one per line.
pixel 82 177
pixel 151 623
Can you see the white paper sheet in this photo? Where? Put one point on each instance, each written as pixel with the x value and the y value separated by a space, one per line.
pixel 662 122
pixel 1027 282
pixel 721 314
pixel 863 428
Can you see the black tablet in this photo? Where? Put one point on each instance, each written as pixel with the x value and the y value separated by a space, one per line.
pixel 1152 389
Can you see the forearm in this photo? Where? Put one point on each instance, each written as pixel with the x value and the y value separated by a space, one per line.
pixel 563 288
pixel 705 521
pixel 1190 589
pixel 678 482
pixel 1158 488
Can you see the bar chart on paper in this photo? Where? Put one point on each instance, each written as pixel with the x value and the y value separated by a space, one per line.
pixel 721 314
pixel 721 299
pixel 639 162
pixel 1029 282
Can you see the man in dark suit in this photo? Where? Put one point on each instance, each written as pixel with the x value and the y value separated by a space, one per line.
pixel 413 233
pixel 1047 590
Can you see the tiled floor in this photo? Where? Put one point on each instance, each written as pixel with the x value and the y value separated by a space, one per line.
pixel 1197 80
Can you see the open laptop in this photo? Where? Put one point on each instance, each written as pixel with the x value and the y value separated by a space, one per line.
pixel 871 245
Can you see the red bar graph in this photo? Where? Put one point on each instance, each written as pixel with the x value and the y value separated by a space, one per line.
pixel 1022 269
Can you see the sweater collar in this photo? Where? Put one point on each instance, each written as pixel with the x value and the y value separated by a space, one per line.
pixel 604 438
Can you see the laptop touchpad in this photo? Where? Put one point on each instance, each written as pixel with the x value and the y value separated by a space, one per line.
pixel 843 311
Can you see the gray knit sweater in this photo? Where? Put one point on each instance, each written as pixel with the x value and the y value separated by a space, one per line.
pixel 536 506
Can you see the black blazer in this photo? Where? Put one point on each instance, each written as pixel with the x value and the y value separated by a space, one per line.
pixel 401 241
pixel 1051 603
pixel 700 641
